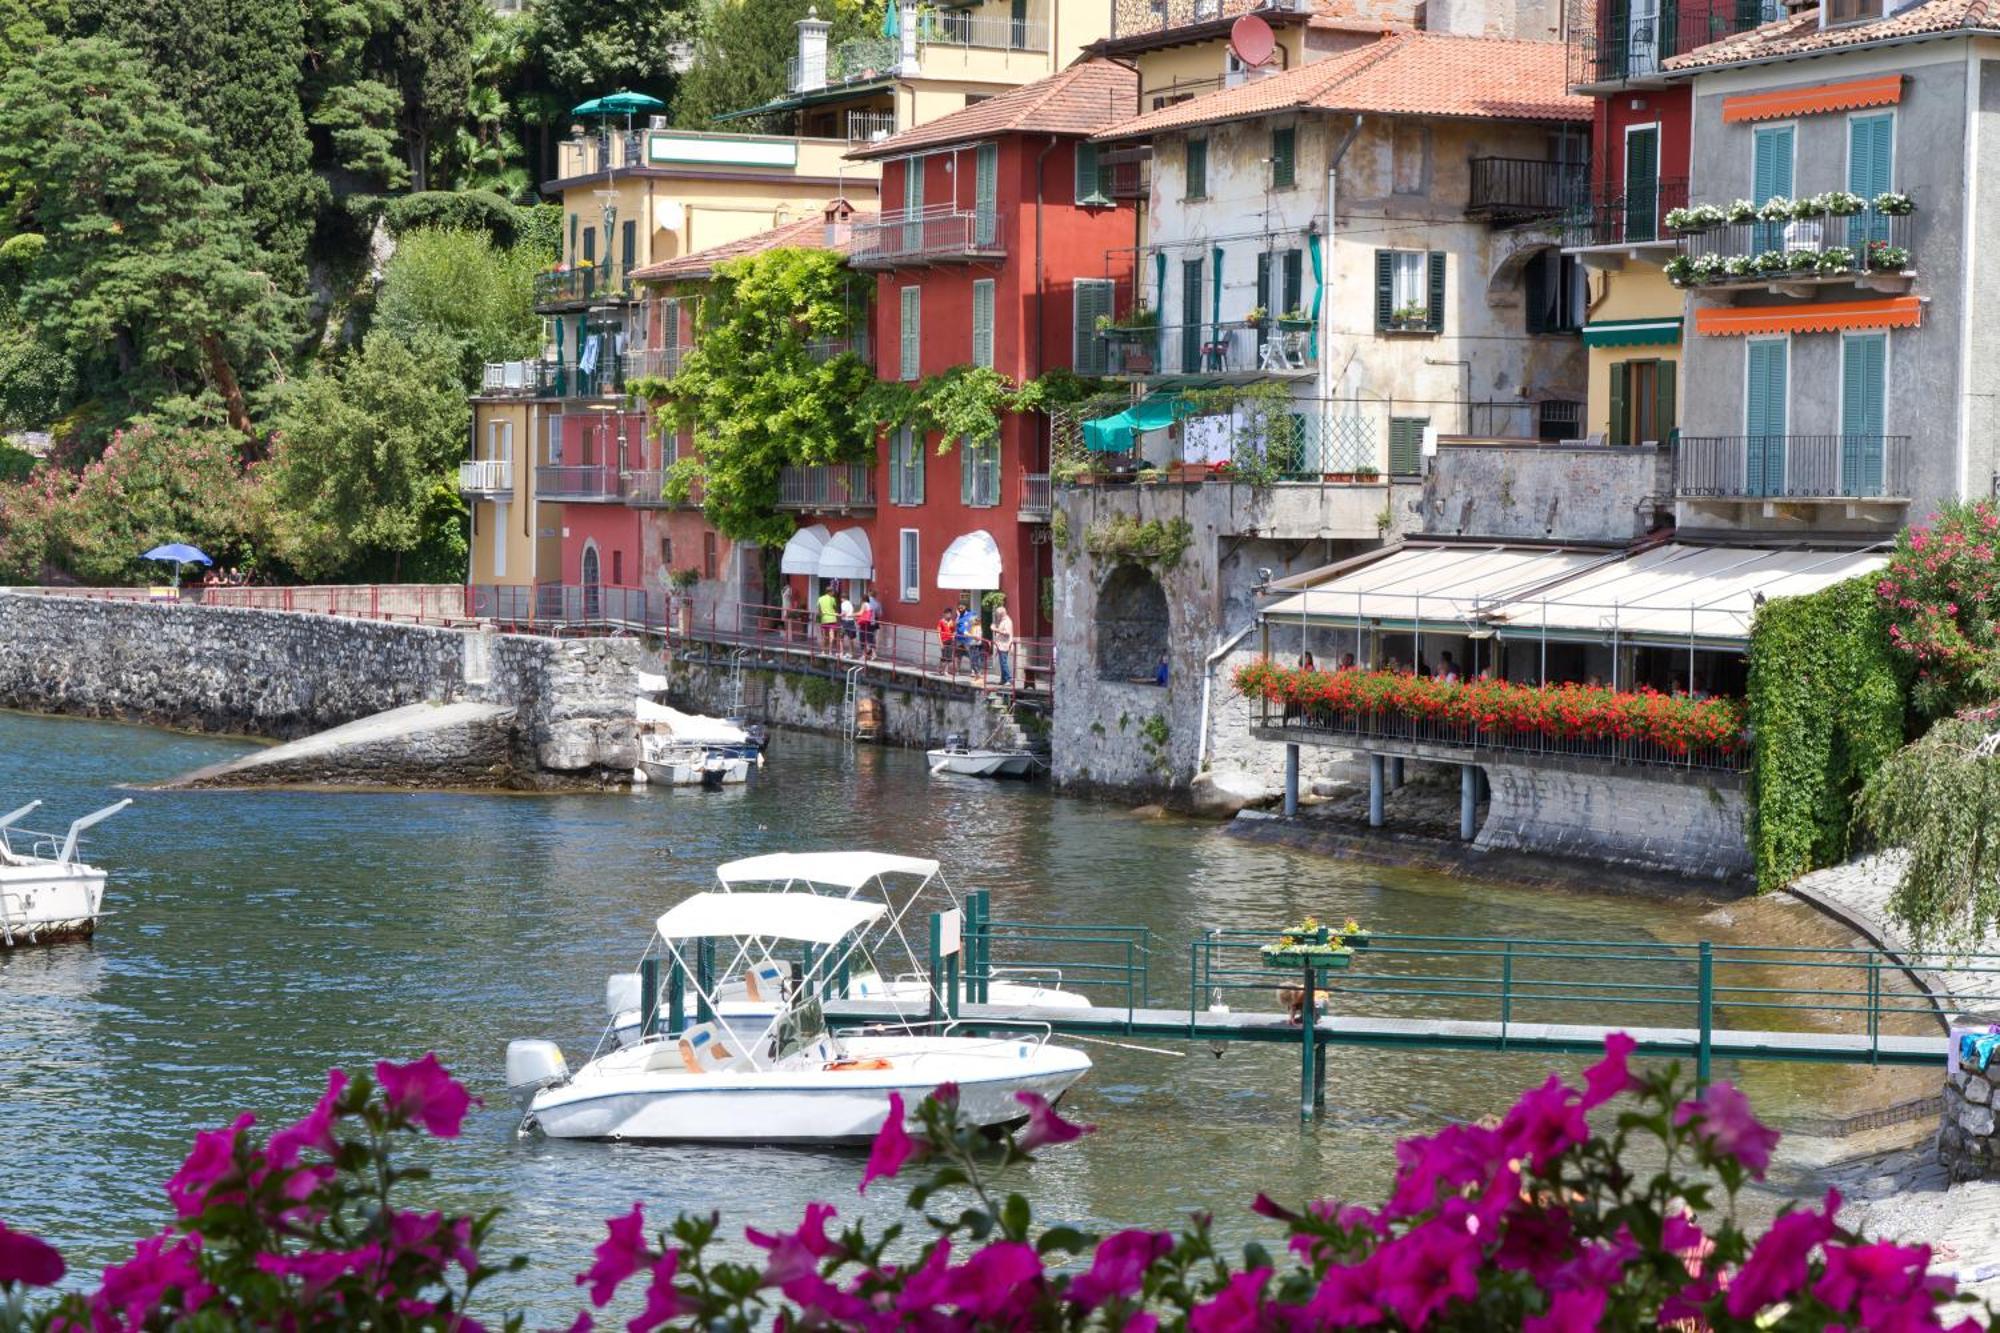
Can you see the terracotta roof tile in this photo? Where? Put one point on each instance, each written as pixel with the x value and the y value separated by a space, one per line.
pixel 1799 33
pixel 807 233
pixel 1412 73
pixel 1080 101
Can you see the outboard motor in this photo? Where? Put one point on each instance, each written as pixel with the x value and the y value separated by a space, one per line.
pixel 533 1065
pixel 955 742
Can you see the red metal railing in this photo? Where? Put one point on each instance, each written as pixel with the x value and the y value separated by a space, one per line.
pixel 911 652
pixel 427 603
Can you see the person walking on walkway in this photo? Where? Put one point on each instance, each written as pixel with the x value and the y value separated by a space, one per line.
pixel 787 605
pixel 968 639
pixel 868 618
pixel 1003 641
pixel 829 617
pixel 847 626
pixel 947 632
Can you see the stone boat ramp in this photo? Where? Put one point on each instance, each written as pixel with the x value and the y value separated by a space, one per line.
pixel 358 702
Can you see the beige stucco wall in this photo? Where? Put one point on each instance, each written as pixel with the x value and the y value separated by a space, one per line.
pixel 508 555
pixel 1636 291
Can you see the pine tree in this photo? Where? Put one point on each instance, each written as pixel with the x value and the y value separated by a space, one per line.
pixel 432 66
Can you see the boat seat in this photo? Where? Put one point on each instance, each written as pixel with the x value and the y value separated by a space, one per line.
pixel 765 983
pixel 702 1050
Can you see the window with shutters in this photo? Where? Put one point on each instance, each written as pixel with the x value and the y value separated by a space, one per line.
pixel 1197 169
pixel 1409 291
pixel 1851 11
pixel 1863 395
pixel 1284 157
pixel 1406 445
pixel 1191 338
pixel 906 467
pixel 617 569
pixel 1091 301
pixel 1766 404
pixel 986 192
pixel 1291 269
pixel 978 474
pixel 1552 290
pixel 1642 182
pixel 1871 149
pixel 912 334
pixel 1642 402
pixel 710 561
pixel 628 246
pixel 982 322
pixel 913 205
pixel 1093 177
pixel 911 573
pixel 1771 164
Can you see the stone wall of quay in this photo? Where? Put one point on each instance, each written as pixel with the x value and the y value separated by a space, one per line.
pixel 786 696
pixel 1680 821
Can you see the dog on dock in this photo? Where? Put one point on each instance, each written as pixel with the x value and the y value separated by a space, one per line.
pixel 1293 997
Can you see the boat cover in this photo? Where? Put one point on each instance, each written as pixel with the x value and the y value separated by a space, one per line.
pixel 808 918
pixel 847 870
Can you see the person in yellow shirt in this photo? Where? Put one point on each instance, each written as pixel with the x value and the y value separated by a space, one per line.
pixel 829 617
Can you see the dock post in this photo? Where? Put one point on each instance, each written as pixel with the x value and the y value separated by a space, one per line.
pixel 677 1001
pixel 1705 1001
pixel 1468 801
pixel 1309 1064
pixel 649 997
pixel 1291 779
pixel 1375 779
pixel 1396 773
pixel 936 969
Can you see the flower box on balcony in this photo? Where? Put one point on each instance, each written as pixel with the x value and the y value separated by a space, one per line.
pixel 1136 360
pixel 1295 325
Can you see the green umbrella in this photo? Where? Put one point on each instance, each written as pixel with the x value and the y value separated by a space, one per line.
pixel 618 104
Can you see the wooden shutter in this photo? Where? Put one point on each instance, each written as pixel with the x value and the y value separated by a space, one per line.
pixel 1862 356
pixel 1406 445
pixel 1385 288
pixel 1086 174
pixel 1284 147
pixel 1191 335
pixel 1764 415
pixel 912 333
pixel 1436 295
pixel 1091 299
pixel 1642 184
pixel 1663 399
pixel 986 187
pixel 896 465
pixel 629 245
pixel 982 322
pixel 919 462
pixel 1292 267
pixel 1197 169
pixel 1264 295
pixel 1621 402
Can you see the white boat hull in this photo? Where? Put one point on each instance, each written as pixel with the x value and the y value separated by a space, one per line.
pixel 982 763
pixel 644 1092
pixel 43 902
pixel 696 772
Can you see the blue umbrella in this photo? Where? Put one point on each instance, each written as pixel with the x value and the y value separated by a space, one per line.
pixel 178 552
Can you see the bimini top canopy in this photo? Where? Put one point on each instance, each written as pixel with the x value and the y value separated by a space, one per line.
pixel 802 551
pixel 847 870
pixel 770 916
pixel 847 555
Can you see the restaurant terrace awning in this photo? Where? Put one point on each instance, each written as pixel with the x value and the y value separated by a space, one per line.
pixel 1894 312
pixel 803 550
pixel 1431 585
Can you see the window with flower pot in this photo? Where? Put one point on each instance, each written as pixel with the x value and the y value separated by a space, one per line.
pixel 1409 291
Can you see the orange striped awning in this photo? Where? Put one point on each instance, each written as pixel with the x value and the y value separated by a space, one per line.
pixel 1894 312
pixel 1885 90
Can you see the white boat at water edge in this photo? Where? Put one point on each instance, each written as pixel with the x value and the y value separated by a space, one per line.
pixel 668 764
pixel 887 966
pixel 779 1075
pixel 46 893
pixel 979 763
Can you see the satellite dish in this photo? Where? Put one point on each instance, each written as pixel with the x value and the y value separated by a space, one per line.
pixel 1251 40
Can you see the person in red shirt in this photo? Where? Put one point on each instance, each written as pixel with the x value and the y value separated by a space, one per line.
pixel 947 628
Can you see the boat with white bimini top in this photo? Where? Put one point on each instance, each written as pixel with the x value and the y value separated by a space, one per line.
pixel 46 893
pixel 888 965
pixel 769 1070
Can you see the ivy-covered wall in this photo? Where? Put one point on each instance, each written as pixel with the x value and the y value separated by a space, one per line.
pixel 1828 699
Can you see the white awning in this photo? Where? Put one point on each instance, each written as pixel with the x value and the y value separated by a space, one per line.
pixel 1678 594
pixel 971 563
pixel 846 870
pixel 802 552
pixel 691 728
pixel 776 916
pixel 1431 584
pixel 847 555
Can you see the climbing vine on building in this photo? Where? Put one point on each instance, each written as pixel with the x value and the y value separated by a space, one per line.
pixel 1123 539
pixel 1827 700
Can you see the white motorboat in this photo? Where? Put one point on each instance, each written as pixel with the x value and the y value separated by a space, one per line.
pixel 981 763
pixel 668 763
pixel 859 876
pixel 775 1076
pixel 729 736
pixel 46 894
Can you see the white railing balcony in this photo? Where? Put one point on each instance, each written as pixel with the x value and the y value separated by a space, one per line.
pixel 828 486
pixel 661 363
pixel 934 236
pixel 1037 496
pixel 868 126
pixel 993 32
pixel 486 476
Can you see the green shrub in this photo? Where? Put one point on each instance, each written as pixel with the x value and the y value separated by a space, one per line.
pixel 457 210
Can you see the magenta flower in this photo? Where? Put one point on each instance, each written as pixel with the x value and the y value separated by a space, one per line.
pixel 997 1282
pixel 1544 1124
pixel 1725 1125
pixel 1237 1308
pixel 133 1290
pixel 1883 1271
pixel 321 1268
pixel 1118 1269
pixel 424 1091
pixel 796 1253
pixel 1776 1268
pixel 1569 1312
pixel 663 1300
pixel 1425 1269
pixel 1681 1234
pixel 210 1162
pixel 1537 1242
pixel 1596 1266
pixel 1609 1076
pixel 1456 1156
pixel 315 1131
pixel 28 1260
pixel 1346 1298
pixel 1044 1125
pixel 893 1146
pixel 620 1254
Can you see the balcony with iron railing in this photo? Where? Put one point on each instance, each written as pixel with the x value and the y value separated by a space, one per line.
pixel 1037 498
pixel 1792 467
pixel 1611 46
pixel 1792 256
pixel 940 235
pixel 867 59
pixel 579 481
pixel 1518 189
pixel 1233 350
pixel 661 363
pixel 857 60
pixel 582 284
pixel 556 379
pixel 868 126
pixel 832 487
pixel 1625 218
pixel 1151 18
pixel 490 477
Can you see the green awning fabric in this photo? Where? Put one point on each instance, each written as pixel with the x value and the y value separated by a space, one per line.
pixel 1160 301
pixel 1632 332
pixel 1319 290
pixel 1113 434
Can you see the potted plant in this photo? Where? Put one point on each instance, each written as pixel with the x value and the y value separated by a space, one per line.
pixel 1137 358
pixel 1355 935
pixel 1836 259
pixel 1367 474
pixel 1843 203
pixel 1679 270
pixel 1308 944
pixel 1739 211
pixel 1138 324
pixel 1411 316
pixel 1777 208
pixel 1070 472
pixel 1295 321
pixel 1255 317
pixel 1894 203
pixel 1886 258
pixel 1147 475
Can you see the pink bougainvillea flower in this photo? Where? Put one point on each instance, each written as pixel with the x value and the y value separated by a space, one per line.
pixel 209 1163
pixel 1568 1312
pixel 1776 1267
pixel 28 1260
pixel 998 1282
pixel 160 1265
pixel 1544 1124
pixel 1609 1076
pixel 620 1254
pixel 794 1253
pixel 1237 1308
pixel 425 1092
pixel 1723 1121
pixel 1346 1298
pixel 1119 1267
pixel 893 1146
pixel 663 1300
pixel 1044 1125
pixel 315 1131
pixel 1882 1271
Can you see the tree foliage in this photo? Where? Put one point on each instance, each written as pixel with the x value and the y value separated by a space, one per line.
pixel 589 47
pixel 756 393
pixel 1941 594
pixel 1939 800
pixel 456 289
pixel 735 42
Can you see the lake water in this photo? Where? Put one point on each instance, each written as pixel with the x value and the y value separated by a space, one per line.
pixel 259 938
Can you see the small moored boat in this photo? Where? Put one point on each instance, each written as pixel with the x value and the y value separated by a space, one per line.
pixel 46 893
pixel 980 761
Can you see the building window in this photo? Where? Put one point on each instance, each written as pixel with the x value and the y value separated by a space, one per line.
pixel 1406 445
pixel 1851 11
pixel 1558 419
pixel 1093 177
pixel 1864 393
pixel 709 563
pixel 986 191
pixel 982 322
pixel 1552 285
pixel 628 246
pixel 911 571
pixel 978 474
pixel 1409 290
pixel 666 553
pixel 1197 169
pixel 1090 301
pixel 912 332
pixel 1642 401
pixel 1284 155
pixel 554 424
pixel 906 467
pixel 617 569
pixel 500 440
pixel 1766 413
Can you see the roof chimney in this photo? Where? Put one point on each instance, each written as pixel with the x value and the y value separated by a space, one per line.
pixel 838 226
pixel 811 72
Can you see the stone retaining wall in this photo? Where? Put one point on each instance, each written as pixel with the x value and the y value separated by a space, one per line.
pixel 1967 1145
pixel 1676 820
pixel 813 702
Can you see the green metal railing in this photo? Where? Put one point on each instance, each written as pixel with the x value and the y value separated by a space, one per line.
pixel 1108 963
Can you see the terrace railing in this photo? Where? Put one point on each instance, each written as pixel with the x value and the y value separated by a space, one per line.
pixel 1037 496
pixel 1516 188
pixel 1820 247
pixel 1609 45
pixel 1625 216
pixel 582 283
pixel 585 481
pixel 1141 18
pixel 934 235
pixel 486 476
pixel 1778 467
pixel 830 486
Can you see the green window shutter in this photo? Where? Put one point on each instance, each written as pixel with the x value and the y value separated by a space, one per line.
pixel 982 322
pixel 1436 309
pixel 1764 415
pixel 1385 288
pixel 1642 185
pixel 1862 358
pixel 1264 293
pixel 1406 445
pixel 1292 266
pixel 1535 293
pixel 629 245
pixel 1197 169
pixel 1617 22
pixel 670 323
pixel 1663 400
pixel 1087 182
pixel 570 253
pixel 1668 30
pixel 1191 329
pixel 1284 149
pixel 1870 154
pixel 986 191
pixel 1091 299
pixel 912 333
pixel 896 465
pixel 1621 402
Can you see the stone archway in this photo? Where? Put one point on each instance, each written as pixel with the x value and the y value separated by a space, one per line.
pixel 1133 625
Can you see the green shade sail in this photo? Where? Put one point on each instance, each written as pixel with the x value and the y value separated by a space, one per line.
pixel 1632 332
pixel 1113 434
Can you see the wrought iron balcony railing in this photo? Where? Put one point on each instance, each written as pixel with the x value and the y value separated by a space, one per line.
pixel 1792 467
pixel 585 481
pixel 1144 18
pixel 1395 727
pixel 1276 347
pixel 1613 46
pixel 1634 215
pixel 582 284
pixel 1037 496
pixel 1518 188
pixel 1823 247
pixel 936 235
pixel 486 476
pixel 831 486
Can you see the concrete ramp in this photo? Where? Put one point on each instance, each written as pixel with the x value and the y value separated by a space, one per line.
pixel 418 745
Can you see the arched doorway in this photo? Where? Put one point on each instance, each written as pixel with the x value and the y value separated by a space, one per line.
pixel 592 600
pixel 1133 630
